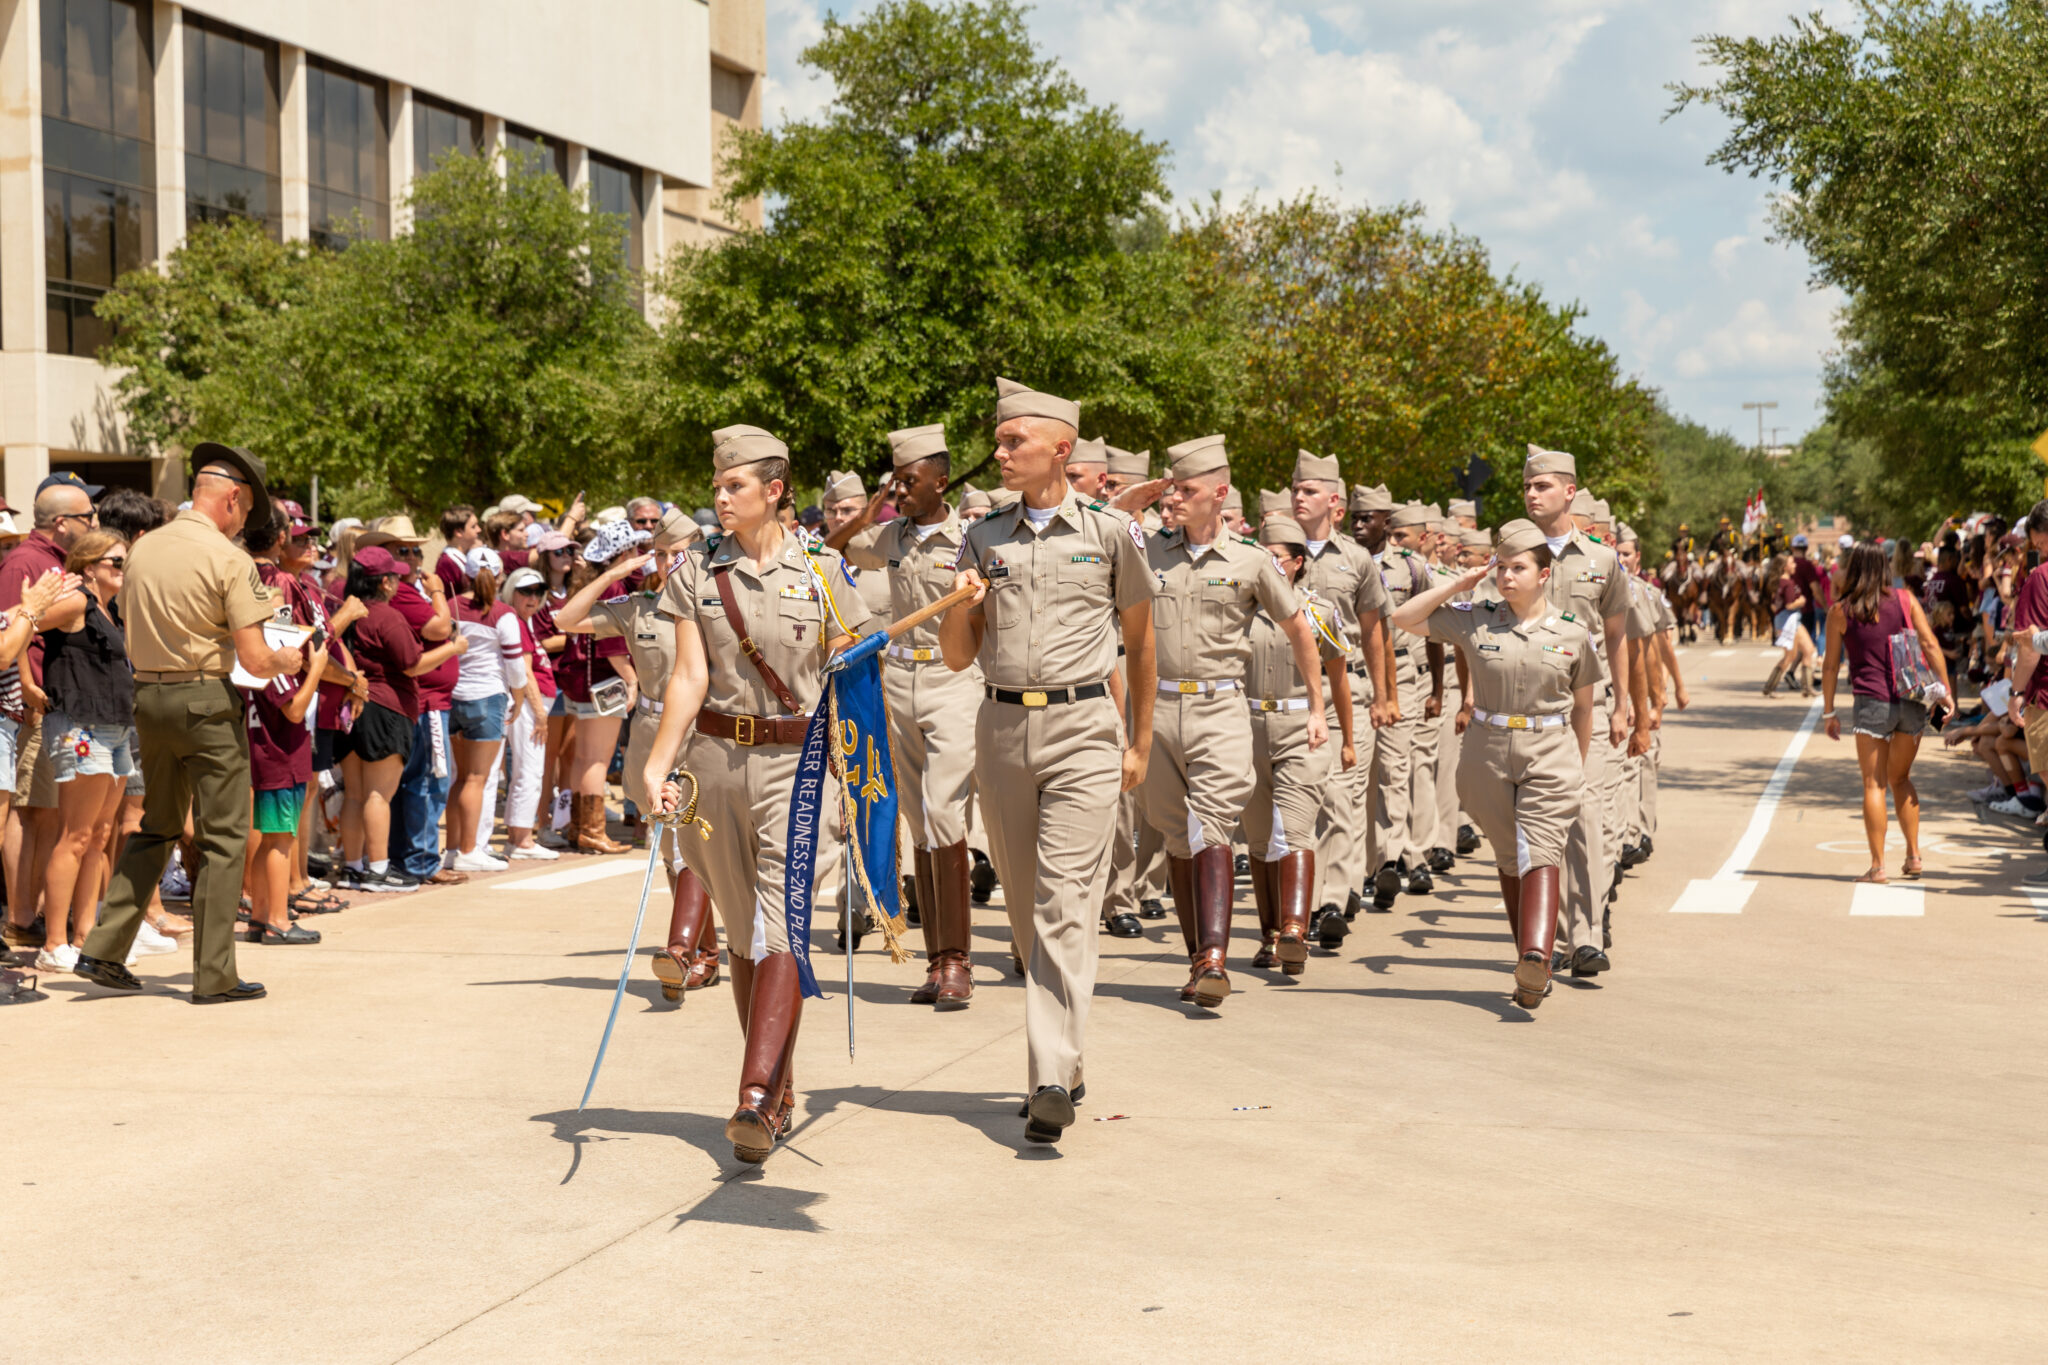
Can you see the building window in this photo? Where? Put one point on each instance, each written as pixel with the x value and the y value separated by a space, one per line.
pixel 438 129
pixel 615 188
pixel 99 161
pixel 529 143
pixel 729 91
pixel 348 169
pixel 231 126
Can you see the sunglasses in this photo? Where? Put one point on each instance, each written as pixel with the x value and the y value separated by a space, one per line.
pixel 647 521
pixel 112 561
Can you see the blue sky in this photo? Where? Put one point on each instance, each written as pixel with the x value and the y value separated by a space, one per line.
pixel 1534 124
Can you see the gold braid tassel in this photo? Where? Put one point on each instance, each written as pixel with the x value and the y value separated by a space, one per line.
pixel 893 927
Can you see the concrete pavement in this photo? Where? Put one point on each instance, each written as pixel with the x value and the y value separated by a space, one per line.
pixel 1792 1132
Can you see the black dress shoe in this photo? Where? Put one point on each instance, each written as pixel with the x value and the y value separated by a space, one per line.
pixel 1645 848
pixel 1353 903
pixel 1589 961
pixel 1630 855
pixel 1080 1093
pixel 1152 909
pixel 1241 865
pixel 1124 925
pixel 1048 1113
pixel 1441 860
pixel 1386 884
pixel 1331 927
pixel 113 975
pixel 981 878
pixel 1420 883
pixel 1468 840
pixel 908 897
pixel 247 990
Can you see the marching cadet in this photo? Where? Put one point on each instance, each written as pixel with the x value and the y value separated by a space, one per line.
pixel 1437 796
pixel 756 616
pixel 845 501
pixel 1289 775
pixel 1618 792
pixel 931 707
pixel 974 505
pixel 1209 583
pixel 690 961
pixel 1055 581
pixel 1234 523
pixel 1411 739
pixel 1088 470
pixel 1586 587
pixel 1660 665
pixel 1533 675
pixel 1464 513
pixel 1340 571
pixel 1127 470
pixel 1137 868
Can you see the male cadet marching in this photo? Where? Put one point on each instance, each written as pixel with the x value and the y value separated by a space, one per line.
pixel 1341 571
pixel 1439 817
pixel 931 707
pixel 194 608
pixel 1464 513
pixel 1208 585
pixel 845 500
pixel 1056 580
pixel 1660 665
pixel 1137 858
pixel 1586 586
pixel 1412 738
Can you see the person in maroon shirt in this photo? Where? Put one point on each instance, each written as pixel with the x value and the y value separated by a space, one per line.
pixel 375 749
pixel 2029 706
pixel 422 599
pixel 599 682
pixel 459 527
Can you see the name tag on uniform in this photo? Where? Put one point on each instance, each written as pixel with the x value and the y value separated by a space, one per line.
pixel 646 635
pixel 800 591
pixel 895 563
pixel 1086 559
pixel 710 602
pixel 998 569
pixel 1489 649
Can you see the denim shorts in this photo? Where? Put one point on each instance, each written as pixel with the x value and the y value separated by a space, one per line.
pixel 10 735
pixel 481 721
pixel 1788 624
pixel 86 750
pixel 1881 718
pixel 559 704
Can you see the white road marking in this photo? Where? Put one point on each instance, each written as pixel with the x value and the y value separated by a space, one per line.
pixel 1722 654
pixel 577 876
pixel 2039 896
pixel 1726 892
pixel 1873 898
pixel 1769 653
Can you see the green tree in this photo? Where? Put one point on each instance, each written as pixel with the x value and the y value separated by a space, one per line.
pixel 959 212
pixel 1912 149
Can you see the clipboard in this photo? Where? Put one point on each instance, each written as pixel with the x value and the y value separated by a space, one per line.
pixel 277 637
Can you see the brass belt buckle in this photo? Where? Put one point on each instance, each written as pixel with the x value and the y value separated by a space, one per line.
pixel 1187 687
pixel 1266 704
pixel 1035 699
pixel 1518 722
pixel 743 730
pixel 923 656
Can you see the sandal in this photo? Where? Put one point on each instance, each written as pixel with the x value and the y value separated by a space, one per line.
pixel 1875 877
pixel 1911 871
pixel 310 902
pixel 263 933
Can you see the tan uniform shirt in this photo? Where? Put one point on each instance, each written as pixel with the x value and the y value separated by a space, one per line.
pixel 650 639
pixel 920 571
pixel 1050 615
pixel 791 605
pixel 1519 670
pixel 1405 574
pixel 1269 671
pixel 1587 580
pixel 187 591
pixel 1345 574
pixel 1202 605
pixel 1642 612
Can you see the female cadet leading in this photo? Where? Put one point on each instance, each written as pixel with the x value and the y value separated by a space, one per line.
pixel 1533 671
pixel 757 613
pixel 1288 776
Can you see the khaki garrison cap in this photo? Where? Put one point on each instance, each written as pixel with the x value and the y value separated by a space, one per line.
pixel 912 444
pixel 1435 513
pixel 1124 463
pixel 1623 533
pixel 1275 504
pixel 1603 515
pixel 999 498
pixel 1462 507
pixel 1089 452
pixel 1475 538
pixel 1543 461
pixel 1234 499
pixel 1203 455
pixel 1582 504
pixel 1518 537
pixel 1307 466
pixel 975 497
pixel 677 529
pixel 1282 530
pixel 1014 400
pixel 1365 499
pixel 731 446
pixel 841 485
pixel 1409 514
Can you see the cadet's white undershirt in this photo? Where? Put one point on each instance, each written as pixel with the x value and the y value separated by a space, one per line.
pixel 923 532
pixel 1556 543
pixel 1039 517
pixel 1196 551
pixel 1315 547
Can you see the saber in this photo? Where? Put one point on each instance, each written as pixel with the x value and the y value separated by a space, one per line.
pixel 659 823
pixel 846 896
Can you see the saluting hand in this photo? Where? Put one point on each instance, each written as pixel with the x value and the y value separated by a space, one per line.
pixel 1139 496
pixel 1472 578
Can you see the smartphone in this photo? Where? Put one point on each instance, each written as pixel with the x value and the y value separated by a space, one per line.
pixel 317 639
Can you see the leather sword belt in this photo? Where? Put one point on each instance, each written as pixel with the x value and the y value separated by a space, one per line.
pixel 1057 696
pixel 1196 686
pixel 751 731
pixel 916 656
pixel 1501 722
pixel 1278 703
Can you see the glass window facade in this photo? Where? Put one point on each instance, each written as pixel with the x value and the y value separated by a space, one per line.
pixel 99 159
pixel 525 140
pixel 615 188
pixel 348 156
pixel 438 129
pixel 729 91
pixel 231 126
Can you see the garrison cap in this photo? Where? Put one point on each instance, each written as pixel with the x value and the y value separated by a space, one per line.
pixel 677 529
pixel 1308 466
pixel 1234 499
pixel 1582 504
pixel 1281 530
pixel 1624 532
pixel 1463 507
pixel 1015 400
pixel 1275 504
pixel 1203 455
pixel 912 444
pixel 1364 499
pixel 1543 461
pixel 734 446
pixel 975 497
pixel 1125 463
pixel 999 498
pixel 1409 514
pixel 1089 452
pixel 841 484
pixel 1475 538
pixel 1603 515
pixel 1518 537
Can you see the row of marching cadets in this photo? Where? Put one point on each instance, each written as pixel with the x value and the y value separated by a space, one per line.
pixel 1355 692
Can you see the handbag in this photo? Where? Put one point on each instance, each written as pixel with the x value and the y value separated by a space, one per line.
pixel 1912 678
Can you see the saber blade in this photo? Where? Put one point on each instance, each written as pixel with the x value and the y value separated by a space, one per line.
pixel 846 894
pixel 626 968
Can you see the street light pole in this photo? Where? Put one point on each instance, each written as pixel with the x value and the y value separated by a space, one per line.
pixel 1758 408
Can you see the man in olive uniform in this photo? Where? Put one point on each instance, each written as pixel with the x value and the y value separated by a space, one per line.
pixel 1208 585
pixel 1586 586
pixel 932 709
pixel 194 606
pixel 1055 582
pixel 1341 571
pixel 1417 667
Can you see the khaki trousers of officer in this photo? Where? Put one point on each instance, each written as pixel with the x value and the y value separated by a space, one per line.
pixel 1448 745
pixel 745 793
pixel 1588 862
pixel 195 756
pixel 1422 767
pixel 1137 860
pixel 931 746
pixel 1343 825
pixel 1646 788
pixel 1393 774
pixel 1288 783
pixel 1524 788
pixel 1048 776
pixel 1200 772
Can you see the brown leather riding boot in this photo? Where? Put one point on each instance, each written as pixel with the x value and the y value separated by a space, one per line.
pixel 689 918
pixel 1296 876
pixel 772 1015
pixel 1536 935
pixel 742 971
pixel 1265 889
pixel 704 968
pixel 1180 881
pixel 587 814
pixel 928 925
pixel 1208 982
pixel 1511 897
pixel 950 865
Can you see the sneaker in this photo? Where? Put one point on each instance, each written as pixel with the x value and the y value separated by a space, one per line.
pixel 175 885
pixel 391 879
pixel 478 861
pixel 1989 792
pixel 347 878
pixel 534 851
pixel 319 884
pixel 61 958
pixel 150 940
pixel 550 839
pixel 2014 805
pixel 2036 878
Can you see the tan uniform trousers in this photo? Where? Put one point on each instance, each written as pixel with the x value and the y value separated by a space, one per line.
pixel 1288 783
pixel 1137 860
pixel 1588 862
pixel 1393 772
pixel 1645 825
pixel 1448 746
pixel 1422 767
pixel 1200 773
pixel 1048 776
pixel 1524 789
pixel 931 746
pixel 1344 823
pixel 745 794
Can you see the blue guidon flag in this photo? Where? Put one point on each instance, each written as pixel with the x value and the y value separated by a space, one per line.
pixel 853 719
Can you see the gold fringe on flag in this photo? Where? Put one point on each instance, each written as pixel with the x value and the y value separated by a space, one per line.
pixel 894 927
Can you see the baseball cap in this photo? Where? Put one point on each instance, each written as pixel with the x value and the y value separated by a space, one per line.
pixel 519 502
pixel 1799 542
pixel 484 557
pixel 64 478
pixel 524 578
pixel 299 523
pixel 1845 542
pixel 378 560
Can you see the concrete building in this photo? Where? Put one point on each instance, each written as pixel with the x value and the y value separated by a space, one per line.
pixel 122 121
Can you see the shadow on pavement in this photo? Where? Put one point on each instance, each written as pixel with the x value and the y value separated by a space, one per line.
pixel 701 1131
